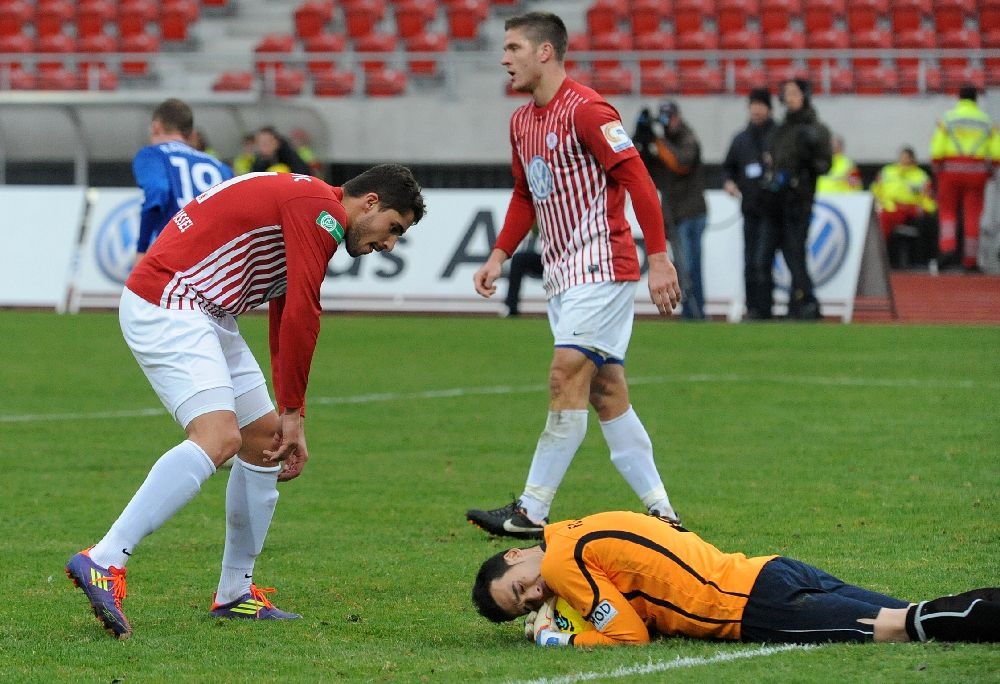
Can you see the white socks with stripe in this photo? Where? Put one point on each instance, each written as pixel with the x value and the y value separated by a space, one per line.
pixel 632 454
pixel 564 432
pixel 173 480
pixel 251 496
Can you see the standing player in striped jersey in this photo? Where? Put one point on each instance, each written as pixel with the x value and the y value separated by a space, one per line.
pixel 169 171
pixel 573 163
pixel 632 576
pixel 258 238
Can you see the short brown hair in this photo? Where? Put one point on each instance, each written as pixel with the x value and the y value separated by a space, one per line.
pixel 175 115
pixel 395 186
pixel 542 27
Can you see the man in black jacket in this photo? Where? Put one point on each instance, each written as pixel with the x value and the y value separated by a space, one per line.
pixel 797 152
pixel 742 171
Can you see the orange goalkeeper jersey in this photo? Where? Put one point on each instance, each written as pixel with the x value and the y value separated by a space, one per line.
pixel 630 574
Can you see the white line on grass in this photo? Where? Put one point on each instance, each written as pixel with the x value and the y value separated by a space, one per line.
pixel 652 667
pixel 733 378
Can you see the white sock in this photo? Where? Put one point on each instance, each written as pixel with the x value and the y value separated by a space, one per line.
pixel 632 454
pixel 173 480
pixel 251 495
pixel 564 432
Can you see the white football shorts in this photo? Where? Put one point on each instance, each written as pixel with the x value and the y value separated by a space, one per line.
pixel 595 316
pixel 196 363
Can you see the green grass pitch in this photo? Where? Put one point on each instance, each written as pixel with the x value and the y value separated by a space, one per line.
pixel 870 451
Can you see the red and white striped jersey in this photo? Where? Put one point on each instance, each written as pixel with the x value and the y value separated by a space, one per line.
pixel 255 238
pixel 562 153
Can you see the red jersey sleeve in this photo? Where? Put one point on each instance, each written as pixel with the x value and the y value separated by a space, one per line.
pixel 599 127
pixel 294 317
pixel 521 210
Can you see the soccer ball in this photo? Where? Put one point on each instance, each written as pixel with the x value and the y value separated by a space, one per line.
pixel 556 614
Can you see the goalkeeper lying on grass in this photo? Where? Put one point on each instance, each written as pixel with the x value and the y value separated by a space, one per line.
pixel 632 575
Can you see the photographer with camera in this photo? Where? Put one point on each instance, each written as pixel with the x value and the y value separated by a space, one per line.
pixel 672 154
pixel 797 152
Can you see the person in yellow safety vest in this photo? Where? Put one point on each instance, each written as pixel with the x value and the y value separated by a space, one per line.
pixel 965 150
pixel 904 196
pixel 843 175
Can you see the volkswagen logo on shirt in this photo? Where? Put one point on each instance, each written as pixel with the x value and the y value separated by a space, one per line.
pixel 826 249
pixel 114 247
pixel 539 178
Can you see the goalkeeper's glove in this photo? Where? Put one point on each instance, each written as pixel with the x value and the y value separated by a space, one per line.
pixel 552 637
pixel 529 625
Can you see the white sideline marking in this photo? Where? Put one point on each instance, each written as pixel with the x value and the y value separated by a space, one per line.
pixel 662 665
pixel 732 378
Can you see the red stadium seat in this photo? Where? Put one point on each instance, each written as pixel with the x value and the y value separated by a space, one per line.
pixel 690 15
pixel 746 77
pixel 138 43
pixel 273 44
pixel 362 17
pixel 784 41
pixel 51 16
pixel 647 16
pixel 832 80
pixel 96 77
pixel 61 44
pixel 233 82
pixel 425 42
pixel 606 15
pixel 658 41
pixel 58 78
pixel 333 83
pixel 14 16
pixel 951 15
pixel 962 40
pixel 176 19
pixel 819 41
pixel 701 80
pixel 916 39
pixel 413 16
pixel 612 80
pixel 19 42
pixel 135 16
pixel 385 83
pixel 16 78
pixel 908 81
pixel 698 41
pixel 578 42
pixel 740 42
pixel 320 49
pixel 312 17
pixel 611 42
pixel 100 44
pixel 287 82
pixel 465 18
pixel 733 15
pixel 656 80
pixel 376 43
pixel 872 39
pixel 93 15
pixel 908 15
pixel 581 76
pixel 776 75
pixel 820 15
pixel 862 17
pixel 875 80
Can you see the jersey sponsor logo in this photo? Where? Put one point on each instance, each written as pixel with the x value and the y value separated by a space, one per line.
pixel 114 247
pixel 603 614
pixel 331 225
pixel 826 248
pixel 539 178
pixel 616 136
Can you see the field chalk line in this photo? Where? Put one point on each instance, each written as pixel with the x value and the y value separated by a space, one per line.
pixel 652 667
pixel 700 378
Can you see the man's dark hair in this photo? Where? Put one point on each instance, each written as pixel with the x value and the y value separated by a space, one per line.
pixel 492 569
pixel 395 186
pixel 968 92
pixel 542 27
pixel 175 115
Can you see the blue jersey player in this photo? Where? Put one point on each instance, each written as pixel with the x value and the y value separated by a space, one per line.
pixel 170 172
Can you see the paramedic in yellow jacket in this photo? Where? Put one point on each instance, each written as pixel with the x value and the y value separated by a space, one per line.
pixel 844 175
pixel 965 149
pixel 904 195
pixel 633 575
